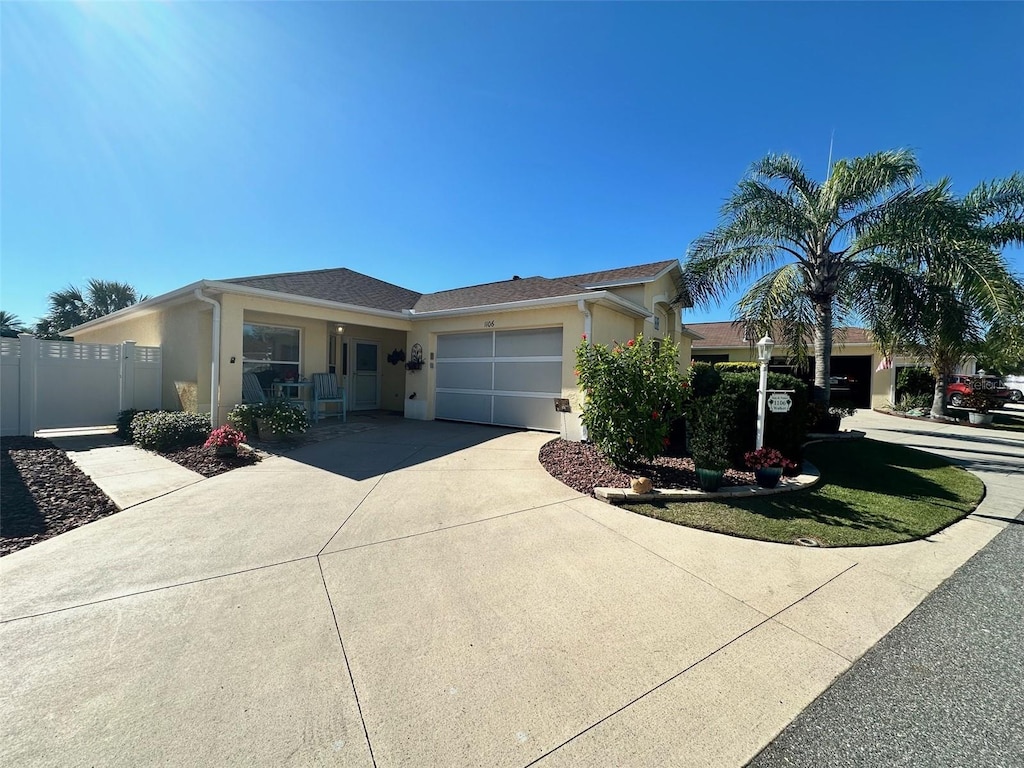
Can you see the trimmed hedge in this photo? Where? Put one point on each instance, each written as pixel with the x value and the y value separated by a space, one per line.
pixel 784 431
pixel 730 398
pixel 170 430
pixel 738 367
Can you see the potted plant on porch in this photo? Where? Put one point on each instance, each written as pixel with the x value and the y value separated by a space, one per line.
pixel 272 420
pixel 768 465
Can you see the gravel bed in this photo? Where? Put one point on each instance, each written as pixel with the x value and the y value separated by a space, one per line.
pixel 582 467
pixel 43 494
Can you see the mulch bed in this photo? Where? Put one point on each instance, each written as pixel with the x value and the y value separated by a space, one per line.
pixel 200 460
pixel 583 468
pixel 43 494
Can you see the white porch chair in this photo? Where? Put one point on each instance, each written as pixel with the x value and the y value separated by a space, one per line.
pixel 252 392
pixel 326 390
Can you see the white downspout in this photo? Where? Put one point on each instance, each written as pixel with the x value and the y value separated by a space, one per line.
pixel 588 331
pixel 215 363
pixel 587 320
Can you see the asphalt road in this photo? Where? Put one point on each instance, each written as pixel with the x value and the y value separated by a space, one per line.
pixel 944 688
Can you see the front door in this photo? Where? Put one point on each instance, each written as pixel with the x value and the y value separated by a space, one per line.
pixel 366 384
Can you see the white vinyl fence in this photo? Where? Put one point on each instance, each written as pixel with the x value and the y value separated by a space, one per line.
pixel 62 384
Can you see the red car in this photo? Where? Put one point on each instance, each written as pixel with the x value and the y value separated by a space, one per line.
pixel 960 387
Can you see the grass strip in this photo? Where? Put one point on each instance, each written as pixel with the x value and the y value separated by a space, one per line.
pixel 870 493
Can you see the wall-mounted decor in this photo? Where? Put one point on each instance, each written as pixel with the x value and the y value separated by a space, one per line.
pixel 396 357
pixel 415 358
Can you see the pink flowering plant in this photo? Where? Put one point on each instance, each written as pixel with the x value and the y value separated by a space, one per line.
pixel 223 437
pixel 633 392
pixel 766 458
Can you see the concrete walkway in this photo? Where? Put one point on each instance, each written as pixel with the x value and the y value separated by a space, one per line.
pixel 944 687
pixel 126 473
pixel 424 594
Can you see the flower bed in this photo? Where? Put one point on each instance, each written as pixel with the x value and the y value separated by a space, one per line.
pixel 582 467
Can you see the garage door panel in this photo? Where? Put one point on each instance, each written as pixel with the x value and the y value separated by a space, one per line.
pixel 461 406
pixel 465 375
pixel 500 377
pixel 465 345
pixel 533 412
pixel 533 342
pixel 528 377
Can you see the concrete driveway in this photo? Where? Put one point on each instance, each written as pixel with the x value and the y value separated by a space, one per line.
pixel 424 594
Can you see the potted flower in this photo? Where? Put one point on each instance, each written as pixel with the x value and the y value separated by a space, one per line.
pixel 223 441
pixel 980 405
pixel 272 420
pixel 768 465
pixel 279 418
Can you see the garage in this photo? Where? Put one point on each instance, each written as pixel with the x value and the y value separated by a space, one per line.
pixel 508 378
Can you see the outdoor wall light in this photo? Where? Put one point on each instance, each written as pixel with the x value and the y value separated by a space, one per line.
pixel 340 329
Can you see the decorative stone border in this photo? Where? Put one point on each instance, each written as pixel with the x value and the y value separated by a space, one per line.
pixel 806 479
pixel 849 434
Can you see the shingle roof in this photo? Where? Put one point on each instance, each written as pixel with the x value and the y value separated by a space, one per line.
pixel 527 288
pixel 731 335
pixel 341 285
pixel 348 287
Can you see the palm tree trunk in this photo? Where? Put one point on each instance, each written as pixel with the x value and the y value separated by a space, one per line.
pixel 939 397
pixel 823 350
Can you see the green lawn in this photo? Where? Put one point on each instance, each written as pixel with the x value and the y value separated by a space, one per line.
pixel 869 493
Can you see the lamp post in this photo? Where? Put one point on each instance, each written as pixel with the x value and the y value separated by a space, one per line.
pixel 764 355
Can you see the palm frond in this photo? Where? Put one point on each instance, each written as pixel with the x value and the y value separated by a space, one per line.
pixel 868 180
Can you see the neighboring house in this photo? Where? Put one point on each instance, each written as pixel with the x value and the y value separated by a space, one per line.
pixel 857 371
pixel 498 353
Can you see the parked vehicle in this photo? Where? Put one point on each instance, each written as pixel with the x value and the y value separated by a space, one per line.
pixel 959 387
pixel 1016 386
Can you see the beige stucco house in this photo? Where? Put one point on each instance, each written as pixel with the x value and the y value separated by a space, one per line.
pixel 498 353
pixel 856 365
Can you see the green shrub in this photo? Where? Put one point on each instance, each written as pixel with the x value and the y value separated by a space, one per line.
pixel 785 432
pixel 908 402
pixel 124 422
pixel 170 430
pixel 915 382
pixel 703 379
pixel 633 392
pixel 709 437
pixel 738 367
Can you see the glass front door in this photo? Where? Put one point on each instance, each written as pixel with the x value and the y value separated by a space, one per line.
pixel 366 385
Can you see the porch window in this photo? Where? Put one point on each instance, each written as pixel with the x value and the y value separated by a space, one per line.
pixel 271 352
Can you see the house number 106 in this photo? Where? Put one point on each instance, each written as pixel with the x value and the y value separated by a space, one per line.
pixel 488 323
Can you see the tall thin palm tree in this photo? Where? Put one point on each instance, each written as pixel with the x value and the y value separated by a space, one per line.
pixel 938 290
pixel 800 241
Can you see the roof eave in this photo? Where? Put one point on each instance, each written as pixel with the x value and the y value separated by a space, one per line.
pixel 600 297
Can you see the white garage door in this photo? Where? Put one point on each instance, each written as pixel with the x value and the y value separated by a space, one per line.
pixel 500 377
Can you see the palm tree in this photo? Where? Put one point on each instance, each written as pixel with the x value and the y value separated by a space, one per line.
pixel 802 241
pixel 10 324
pixel 70 307
pixel 944 286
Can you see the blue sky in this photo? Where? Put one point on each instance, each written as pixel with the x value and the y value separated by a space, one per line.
pixel 439 145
